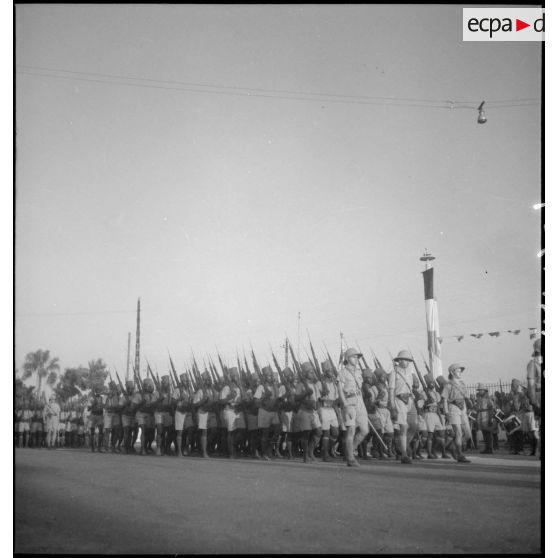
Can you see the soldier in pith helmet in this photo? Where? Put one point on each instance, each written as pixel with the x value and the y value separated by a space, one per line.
pixel 329 398
pixel 355 416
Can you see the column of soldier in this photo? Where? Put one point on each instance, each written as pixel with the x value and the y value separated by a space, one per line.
pixel 315 412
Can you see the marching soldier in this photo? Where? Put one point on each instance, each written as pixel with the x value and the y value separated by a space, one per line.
pixel 111 408
pixel 145 415
pixel 95 408
pixel 24 426
pixel 203 403
pixel 329 398
pixel 62 424
pixel 266 396
pixel 484 406
pixel 288 410
pixel 162 416
pixel 518 404
pixel 182 398
pixel 51 414
pixel 383 415
pixel 535 376
pixel 355 416
pixel 37 425
pixel 252 415
pixel 308 391
pixel 454 403
pixel 128 404
pixel 369 395
pixel 231 398
pixel 400 392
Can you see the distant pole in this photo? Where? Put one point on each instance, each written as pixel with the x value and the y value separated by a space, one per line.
pixel 298 347
pixel 137 358
pixel 286 352
pixel 128 358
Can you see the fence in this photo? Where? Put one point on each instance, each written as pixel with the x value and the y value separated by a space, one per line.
pixel 502 387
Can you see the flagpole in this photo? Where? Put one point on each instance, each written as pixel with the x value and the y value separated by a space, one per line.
pixel 432 326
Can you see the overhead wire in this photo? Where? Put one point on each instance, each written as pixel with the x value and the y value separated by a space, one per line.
pixel 134 81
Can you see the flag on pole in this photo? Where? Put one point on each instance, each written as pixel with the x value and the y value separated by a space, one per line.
pixel 432 324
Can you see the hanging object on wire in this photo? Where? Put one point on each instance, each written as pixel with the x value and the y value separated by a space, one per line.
pixel 482 116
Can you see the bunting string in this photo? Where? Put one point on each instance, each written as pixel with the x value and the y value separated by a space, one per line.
pixel 533 333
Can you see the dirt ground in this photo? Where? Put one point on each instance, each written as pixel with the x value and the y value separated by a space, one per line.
pixel 75 501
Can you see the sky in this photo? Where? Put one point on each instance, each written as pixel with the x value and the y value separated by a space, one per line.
pixel 235 166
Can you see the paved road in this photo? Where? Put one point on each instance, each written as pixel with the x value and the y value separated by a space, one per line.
pixel 80 502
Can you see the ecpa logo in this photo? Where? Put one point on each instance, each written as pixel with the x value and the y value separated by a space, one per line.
pixel 503 24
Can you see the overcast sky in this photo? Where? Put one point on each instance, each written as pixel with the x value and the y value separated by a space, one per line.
pixel 236 165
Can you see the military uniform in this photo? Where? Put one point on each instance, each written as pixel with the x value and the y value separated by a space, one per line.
pixel 355 416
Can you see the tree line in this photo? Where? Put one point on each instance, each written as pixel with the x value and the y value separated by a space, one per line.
pixel 44 369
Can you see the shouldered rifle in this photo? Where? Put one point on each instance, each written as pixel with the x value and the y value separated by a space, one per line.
pixel 256 366
pixel 150 372
pixel 119 381
pixel 419 374
pixel 279 371
pixel 295 363
pixel 339 387
pixel 362 357
pixel 246 363
pixel 316 361
pixel 176 380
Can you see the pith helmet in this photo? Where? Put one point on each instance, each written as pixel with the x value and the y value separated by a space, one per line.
pixel 206 376
pixel 351 352
pixel 453 367
pixel 403 355
pixel 184 377
pixel 481 387
pixel 367 373
pixel 233 373
pixel 267 370
pixel 165 379
pixel 130 384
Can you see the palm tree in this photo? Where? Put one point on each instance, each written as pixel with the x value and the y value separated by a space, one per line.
pixel 40 363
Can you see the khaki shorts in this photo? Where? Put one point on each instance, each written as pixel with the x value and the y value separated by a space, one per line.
pixel 308 420
pixel 162 418
pixel 403 410
pixel 145 419
pixel 206 420
pixel 458 416
pixel 328 418
pixel 95 420
pixel 183 421
pixel 385 420
pixel 267 419
pixel 357 417
pixel 234 420
pixel 252 421
pixel 128 421
pixel 23 426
